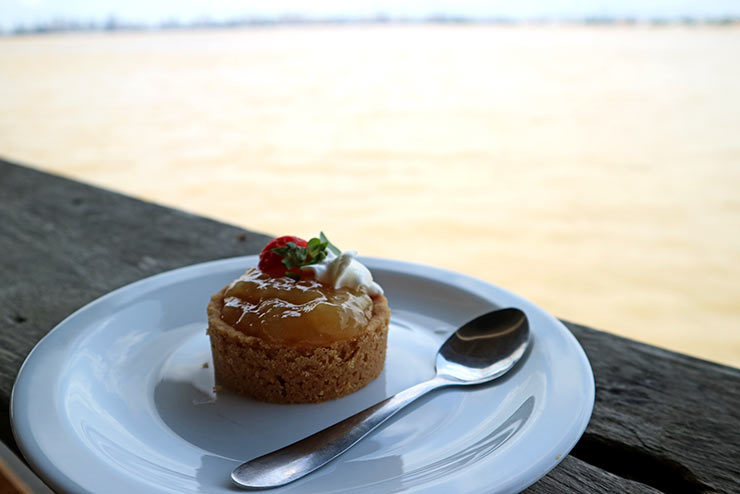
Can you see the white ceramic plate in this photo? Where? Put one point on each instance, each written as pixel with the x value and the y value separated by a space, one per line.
pixel 116 398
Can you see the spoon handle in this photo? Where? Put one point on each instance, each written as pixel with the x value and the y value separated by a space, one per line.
pixel 303 457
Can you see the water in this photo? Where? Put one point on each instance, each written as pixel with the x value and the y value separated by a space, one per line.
pixel 594 170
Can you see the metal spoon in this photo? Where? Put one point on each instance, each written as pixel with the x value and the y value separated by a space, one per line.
pixel 480 351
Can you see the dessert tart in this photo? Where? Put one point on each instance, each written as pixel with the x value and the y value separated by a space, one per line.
pixel 309 324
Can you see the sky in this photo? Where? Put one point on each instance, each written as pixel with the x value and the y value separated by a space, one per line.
pixel 29 12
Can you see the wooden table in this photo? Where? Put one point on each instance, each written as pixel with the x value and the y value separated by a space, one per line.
pixel 662 421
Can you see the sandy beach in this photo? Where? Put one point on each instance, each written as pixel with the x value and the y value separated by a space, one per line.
pixel 594 170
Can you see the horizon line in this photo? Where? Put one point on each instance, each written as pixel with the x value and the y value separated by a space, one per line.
pixel 113 24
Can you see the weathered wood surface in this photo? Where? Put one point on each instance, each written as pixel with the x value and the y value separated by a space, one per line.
pixel 663 419
pixel 662 422
pixel 64 244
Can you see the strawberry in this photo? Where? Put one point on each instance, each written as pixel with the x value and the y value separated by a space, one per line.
pixel 271 262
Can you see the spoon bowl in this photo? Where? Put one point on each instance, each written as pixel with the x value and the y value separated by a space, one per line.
pixel 479 351
pixel 484 348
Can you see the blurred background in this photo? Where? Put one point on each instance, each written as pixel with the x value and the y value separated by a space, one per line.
pixel 585 155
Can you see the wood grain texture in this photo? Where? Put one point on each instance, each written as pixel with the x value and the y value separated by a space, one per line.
pixel 662 422
pixel 667 419
pixel 64 244
pixel 574 476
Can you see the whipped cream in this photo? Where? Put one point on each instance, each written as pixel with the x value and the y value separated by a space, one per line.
pixel 344 271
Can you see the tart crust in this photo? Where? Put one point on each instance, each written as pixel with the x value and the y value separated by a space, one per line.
pixel 292 374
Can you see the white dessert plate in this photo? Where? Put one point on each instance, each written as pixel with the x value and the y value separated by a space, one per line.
pixel 118 398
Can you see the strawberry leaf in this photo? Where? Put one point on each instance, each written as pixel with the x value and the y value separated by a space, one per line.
pixel 333 248
pixel 295 256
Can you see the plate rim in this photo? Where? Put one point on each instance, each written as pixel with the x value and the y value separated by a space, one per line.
pixel 59 480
